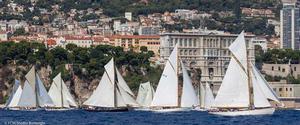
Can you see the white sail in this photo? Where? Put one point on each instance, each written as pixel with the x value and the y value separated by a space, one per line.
pixel 61 96
pixel 16 97
pixel 264 86
pixel 125 91
pixel 28 98
pixel 239 50
pixel 189 97
pixel 233 91
pixel 209 97
pixel 145 94
pixel 14 90
pixel 30 77
pixel 258 96
pixel 167 90
pixel 44 98
pixel 68 96
pixel 122 83
pixel 103 96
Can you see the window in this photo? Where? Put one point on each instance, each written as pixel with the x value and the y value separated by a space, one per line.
pixel 280 89
pixel 286 89
pixel 291 89
pixel 272 68
pixel 295 69
pixel 278 68
pixel 283 69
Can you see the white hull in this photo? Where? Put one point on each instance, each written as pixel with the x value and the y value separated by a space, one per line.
pixel 265 111
pixel 171 110
pixel 142 109
pixel 21 109
pixel 60 109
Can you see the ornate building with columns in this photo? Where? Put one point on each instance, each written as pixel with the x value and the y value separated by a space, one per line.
pixel 207 51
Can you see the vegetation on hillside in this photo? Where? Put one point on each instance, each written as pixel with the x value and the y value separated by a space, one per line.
pixel 87 63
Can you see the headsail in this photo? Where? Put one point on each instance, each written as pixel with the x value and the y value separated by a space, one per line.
pixel 264 86
pixel 14 90
pixel 16 98
pixel 167 90
pixel 189 97
pixel 260 99
pixel 145 94
pixel 44 98
pixel 209 97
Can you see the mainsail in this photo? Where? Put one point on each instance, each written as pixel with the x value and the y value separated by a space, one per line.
pixel 209 97
pixel 189 97
pixel 60 94
pixel 145 94
pixel 112 90
pixel 166 94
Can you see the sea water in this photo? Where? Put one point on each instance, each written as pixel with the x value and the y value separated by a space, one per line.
pixel 81 117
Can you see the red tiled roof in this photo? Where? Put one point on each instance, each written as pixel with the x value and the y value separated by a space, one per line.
pixel 51 42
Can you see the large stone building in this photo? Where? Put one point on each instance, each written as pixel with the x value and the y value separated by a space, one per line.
pixel 207 51
pixel 282 70
pixel 134 42
pixel 289 94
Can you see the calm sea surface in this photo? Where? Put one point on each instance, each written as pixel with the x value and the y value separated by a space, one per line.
pixel 81 117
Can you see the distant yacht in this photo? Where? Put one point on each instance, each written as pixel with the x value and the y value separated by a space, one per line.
pixel 33 96
pixel 166 97
pixel 60 95
pixel 15 96
pixel 243 91
pixel 112 93
pixel 145 95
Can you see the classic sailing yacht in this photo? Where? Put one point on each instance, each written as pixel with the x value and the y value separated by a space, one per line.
pixel 34 95
pixel 166 97
pixel 14 97
pixel 60 95
pixel 145 94
pixel 243 90
pixel 112 93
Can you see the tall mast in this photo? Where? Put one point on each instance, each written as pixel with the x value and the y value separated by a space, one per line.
pixel 115 86
pixel 178 99
pixel 250 86
pixel 35 89
pixel 61 92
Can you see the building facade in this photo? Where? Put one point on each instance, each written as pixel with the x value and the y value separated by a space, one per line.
pixel 206 51
pixel 134 42
pixel 290 26
pixel 282 70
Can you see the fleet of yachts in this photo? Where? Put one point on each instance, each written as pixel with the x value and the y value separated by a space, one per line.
pixel 243 91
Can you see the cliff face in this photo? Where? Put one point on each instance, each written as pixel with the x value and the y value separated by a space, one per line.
pixel 79 88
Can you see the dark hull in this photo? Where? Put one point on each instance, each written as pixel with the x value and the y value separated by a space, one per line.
pixel 106 109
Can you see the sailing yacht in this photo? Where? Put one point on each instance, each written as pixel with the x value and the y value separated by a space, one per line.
pixel 145 95
pixel 60 95
pixel 34 95
pixel 243 91
pixel 14 97
pixel 166 97
pixel 112 93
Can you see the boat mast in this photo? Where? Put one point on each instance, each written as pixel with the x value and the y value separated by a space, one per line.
pixel 178 99
pixel 35 89
pixel 61 93
pixel 250 86
pixel 115 86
